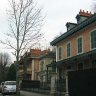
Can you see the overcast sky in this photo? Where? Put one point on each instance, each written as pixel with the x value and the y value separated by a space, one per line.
pixel 58 13
pixel 61 11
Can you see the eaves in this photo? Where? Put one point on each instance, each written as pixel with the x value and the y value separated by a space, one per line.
pixel 78 27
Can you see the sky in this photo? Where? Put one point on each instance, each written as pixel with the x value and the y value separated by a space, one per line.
pixel 57 12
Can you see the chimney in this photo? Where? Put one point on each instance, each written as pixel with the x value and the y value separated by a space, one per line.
pixel 70 25
pixel 83 16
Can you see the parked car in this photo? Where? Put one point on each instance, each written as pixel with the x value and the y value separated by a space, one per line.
pixel 9 87
pixel 1 85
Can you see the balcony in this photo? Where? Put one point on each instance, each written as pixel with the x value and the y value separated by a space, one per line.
pixel 29 71
pixel 21 72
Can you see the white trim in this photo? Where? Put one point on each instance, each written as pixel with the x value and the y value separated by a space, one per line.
pixel 33 62
pixel 58 53
pixel 82 44
pixel 70 50
pixel 90 39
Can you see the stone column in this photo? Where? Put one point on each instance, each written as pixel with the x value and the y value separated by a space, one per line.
pixel 53 85
pixel 67 93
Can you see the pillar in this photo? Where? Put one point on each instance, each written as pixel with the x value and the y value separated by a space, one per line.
pixel 53 85
pixel 67 92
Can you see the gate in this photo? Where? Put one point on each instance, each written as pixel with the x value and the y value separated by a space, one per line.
pixel 82 82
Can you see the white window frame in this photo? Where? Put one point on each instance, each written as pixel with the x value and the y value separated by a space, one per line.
pixel 61 53
pixel 70 50
pixel 90 39
pixel 77 45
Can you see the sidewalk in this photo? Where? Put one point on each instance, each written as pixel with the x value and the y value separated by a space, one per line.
pixel 26 93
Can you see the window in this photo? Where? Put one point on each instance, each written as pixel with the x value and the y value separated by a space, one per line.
pixel 79 44
pixel 80 66
pixel 41 65
pixel 94 64
pixel 60 53
pixel 68 67
pixel 68 50
pixel 93 39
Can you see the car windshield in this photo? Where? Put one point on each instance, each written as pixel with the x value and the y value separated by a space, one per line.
pixel 10 83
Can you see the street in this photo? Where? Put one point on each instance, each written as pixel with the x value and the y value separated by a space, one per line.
pixel 6 95
pixel 24 93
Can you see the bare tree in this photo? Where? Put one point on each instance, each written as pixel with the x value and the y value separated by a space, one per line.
pixel 25 25
pixel 4 62
pixel 93 7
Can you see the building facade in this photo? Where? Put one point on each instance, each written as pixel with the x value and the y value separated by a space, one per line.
pixel 30 64
pixel 76 48
pixel 45 69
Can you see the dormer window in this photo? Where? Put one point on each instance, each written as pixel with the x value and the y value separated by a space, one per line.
pixel 70 25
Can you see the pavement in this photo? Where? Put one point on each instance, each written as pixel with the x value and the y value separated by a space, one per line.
pixel 26 93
